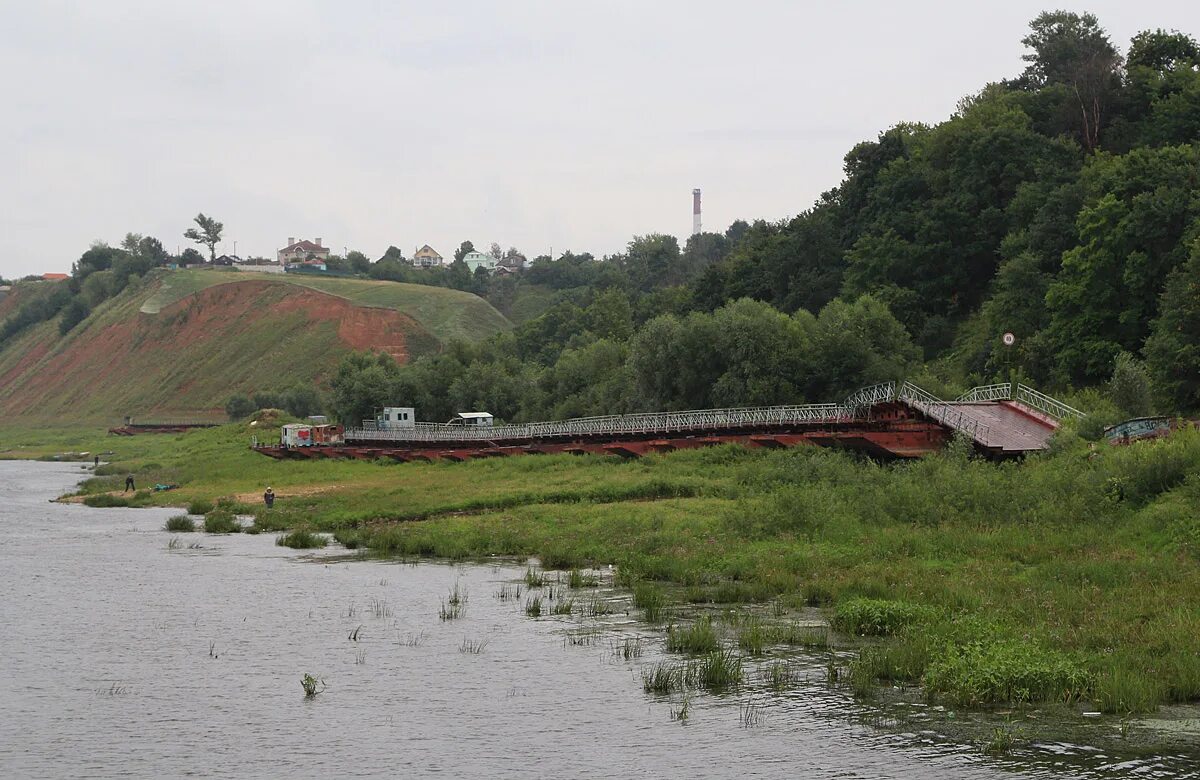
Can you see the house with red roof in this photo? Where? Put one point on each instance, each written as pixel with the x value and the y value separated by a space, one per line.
pixel 299 251
pixel 55 277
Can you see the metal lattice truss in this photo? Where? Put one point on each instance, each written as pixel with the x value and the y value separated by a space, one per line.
pixel 1022 394
pixel 855 407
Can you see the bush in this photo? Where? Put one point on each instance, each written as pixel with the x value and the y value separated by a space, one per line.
pixel 876 617
pixel 105 500
pixel 181 523
pixel 200 506
pixel 219 521
pixel 1007 673
pixel 239 407
pixel 302 539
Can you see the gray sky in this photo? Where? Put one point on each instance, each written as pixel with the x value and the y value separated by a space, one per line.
pixel 534 124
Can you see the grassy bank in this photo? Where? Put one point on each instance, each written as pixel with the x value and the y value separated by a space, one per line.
pixel 1064 577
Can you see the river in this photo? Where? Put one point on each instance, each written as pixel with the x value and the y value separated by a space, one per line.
pixel 123 654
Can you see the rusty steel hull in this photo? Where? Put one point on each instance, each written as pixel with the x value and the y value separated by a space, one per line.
pixel 897 438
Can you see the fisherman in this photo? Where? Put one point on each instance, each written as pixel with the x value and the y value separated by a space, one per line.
pixel 269 498
pixel 96 462
pixel 129 484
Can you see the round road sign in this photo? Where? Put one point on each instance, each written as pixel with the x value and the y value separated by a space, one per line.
pixel 1009 339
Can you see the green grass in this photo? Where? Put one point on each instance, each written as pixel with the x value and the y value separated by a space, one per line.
pixel 984 583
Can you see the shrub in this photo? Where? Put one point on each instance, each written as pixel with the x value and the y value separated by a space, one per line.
pixel 105 500
pixel 302 539
pixel 1007 673
pixel 876 617
pixel 200 506
pixel 219 521
pixel 180 523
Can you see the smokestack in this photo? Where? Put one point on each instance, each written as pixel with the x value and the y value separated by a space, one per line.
pixel 291 240
pixel 696 211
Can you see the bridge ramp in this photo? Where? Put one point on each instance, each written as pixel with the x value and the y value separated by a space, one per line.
pixel 1010 429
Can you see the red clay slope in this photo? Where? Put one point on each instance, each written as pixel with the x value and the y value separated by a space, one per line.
pixel 190 357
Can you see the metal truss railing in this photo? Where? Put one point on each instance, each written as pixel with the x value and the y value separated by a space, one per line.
pixel 1026 395
pixel 1000 392
pixel 613 425
pixel 1044 403
pixel 951 415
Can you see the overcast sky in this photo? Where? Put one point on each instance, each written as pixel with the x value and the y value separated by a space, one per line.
pixel 534 124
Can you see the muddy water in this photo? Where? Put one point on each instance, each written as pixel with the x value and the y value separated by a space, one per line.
pixel 121 657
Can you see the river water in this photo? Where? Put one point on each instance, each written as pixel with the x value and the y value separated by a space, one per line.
pixel 122 657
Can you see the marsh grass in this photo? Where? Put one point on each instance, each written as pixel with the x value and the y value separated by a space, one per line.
pixel 597 607
pixel 750 714
pixel 458 595
pixel 311 685
pixel 699 637
pixel 578 579
pixel 302 539
pixel 584 637
pixel 650 599
pixel 876 617
pixel 533 607
pixel 360 657
pixel 1001 741
pixel 562 607
pixel 379 608
pixel 180 524
pixel 780 676
pixel 753 637
pixel 720 670
pixel 448 611
pixel 534 579
pixel 472 646
pixel 628 648
pixel 410 639
pixel 683 711
pixel 509 592
pixel 175 543
pixel 663 678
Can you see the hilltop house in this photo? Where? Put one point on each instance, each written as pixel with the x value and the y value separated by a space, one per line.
pixel 55 277
pixel 477 259
pixel 426 257
pixel 299 251
pixel 511 264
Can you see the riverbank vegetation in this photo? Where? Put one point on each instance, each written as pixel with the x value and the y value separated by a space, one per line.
pixel 1070 576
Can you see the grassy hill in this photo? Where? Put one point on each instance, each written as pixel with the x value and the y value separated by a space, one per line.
pixel 182 342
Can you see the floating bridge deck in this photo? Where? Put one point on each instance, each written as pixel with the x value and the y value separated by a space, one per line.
pixel 889 419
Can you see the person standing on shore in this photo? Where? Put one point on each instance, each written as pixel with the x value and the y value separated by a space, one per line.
pixel 129 484
pixel 269 498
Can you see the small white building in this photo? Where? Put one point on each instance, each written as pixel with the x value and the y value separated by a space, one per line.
pixel 472 419
pixel 396 417
pixel 476 259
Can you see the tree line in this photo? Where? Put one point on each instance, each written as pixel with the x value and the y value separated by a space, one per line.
pixel 1060 206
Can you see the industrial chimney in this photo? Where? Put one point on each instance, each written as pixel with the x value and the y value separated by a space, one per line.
pixel 696 211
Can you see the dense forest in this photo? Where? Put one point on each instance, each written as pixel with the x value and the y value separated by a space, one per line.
pixel 1062 205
